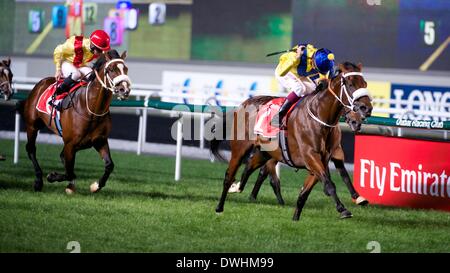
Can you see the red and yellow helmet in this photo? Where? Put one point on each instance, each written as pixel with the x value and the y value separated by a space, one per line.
pixel 100 39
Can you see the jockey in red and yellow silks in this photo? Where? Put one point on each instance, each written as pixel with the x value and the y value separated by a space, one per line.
pixel 72 57
pixel 299 71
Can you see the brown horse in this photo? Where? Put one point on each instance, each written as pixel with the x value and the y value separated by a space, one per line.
pixel 269 170
pixel 310 140
pixel 6 77
pixel 85 123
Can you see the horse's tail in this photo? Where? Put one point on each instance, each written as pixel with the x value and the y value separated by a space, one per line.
pixel 219 132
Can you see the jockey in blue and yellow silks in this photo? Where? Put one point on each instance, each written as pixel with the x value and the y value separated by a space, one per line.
pixel 299 71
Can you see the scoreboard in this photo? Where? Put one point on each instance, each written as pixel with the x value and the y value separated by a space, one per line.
pixel 378 33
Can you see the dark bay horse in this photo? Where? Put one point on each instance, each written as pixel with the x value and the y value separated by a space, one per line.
pixel 87 123
pixel 310 130
pixel 6 77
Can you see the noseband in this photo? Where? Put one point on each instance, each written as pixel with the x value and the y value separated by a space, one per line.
pixel 116 80
pixel 6 82
pixel 361 92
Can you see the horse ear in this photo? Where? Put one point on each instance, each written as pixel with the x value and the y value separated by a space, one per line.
pixel 7 62
pixel 124 55
pixel 107 58
pixel 341 67
pixel 359 66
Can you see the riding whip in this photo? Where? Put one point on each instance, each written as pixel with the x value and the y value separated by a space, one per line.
pixel 279 52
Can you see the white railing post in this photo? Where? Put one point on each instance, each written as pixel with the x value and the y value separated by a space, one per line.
pixel 16 138
pixel 179 145
pixel 139 140
pixel 202 131
pixel 144 127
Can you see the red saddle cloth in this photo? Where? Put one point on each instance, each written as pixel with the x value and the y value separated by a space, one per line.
pixel 265 115
pixel 44 105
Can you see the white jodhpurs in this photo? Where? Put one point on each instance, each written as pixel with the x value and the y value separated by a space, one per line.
pixel 69 69
pixel 300 86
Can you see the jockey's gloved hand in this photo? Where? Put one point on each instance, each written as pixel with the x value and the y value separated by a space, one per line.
pixel 322 84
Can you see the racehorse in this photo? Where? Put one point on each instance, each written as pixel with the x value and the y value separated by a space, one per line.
pixel 6 77
pixel 309 135
pixel 337 157
pixel 87 123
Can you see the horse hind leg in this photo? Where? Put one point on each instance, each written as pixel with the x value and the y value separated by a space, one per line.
pixel 255 161
pixel 31 151
pixel 263 173
pixel 102 148
pixel 275 182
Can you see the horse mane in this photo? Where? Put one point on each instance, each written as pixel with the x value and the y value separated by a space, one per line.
pixel 112 54
pixel 348 66
pixel 258 100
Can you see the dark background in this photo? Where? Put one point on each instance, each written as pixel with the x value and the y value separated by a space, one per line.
pixel 389 35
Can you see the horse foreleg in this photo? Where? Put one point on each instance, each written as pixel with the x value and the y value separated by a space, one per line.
pixel 339 164
pixel 103 149
pixel 331 189
pixel 317 167
pixel 263 173
pixel 308 185
pixel 69 175
pixel 61 156
pixel 31 151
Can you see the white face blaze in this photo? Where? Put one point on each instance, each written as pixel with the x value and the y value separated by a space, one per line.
pixel 121 67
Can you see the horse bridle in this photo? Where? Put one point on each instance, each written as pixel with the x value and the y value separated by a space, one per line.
pixel 116 80
pixel 107 80
pixel 8 79
pixel 358 93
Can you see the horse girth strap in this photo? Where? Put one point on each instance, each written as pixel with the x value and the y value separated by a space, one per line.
pixel 283 143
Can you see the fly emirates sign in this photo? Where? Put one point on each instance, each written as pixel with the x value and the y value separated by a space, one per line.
pixel 403 172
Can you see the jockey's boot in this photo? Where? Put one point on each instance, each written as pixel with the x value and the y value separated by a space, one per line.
pixel 62 88
pixel 278 118
pixel 65 86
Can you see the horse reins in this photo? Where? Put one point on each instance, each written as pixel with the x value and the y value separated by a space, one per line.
pixel 107 78
pixel 361 92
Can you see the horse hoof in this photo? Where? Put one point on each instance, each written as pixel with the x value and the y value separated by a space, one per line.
pixel 95 187
pixel 252 198
pixel 346 214
pixel 51 177
pixel 361 201
pixel 38 186
pixel 70 189
pixel 235 188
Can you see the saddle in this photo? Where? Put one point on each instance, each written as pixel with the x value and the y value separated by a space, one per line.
pixel 52 105
pixel 264 128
